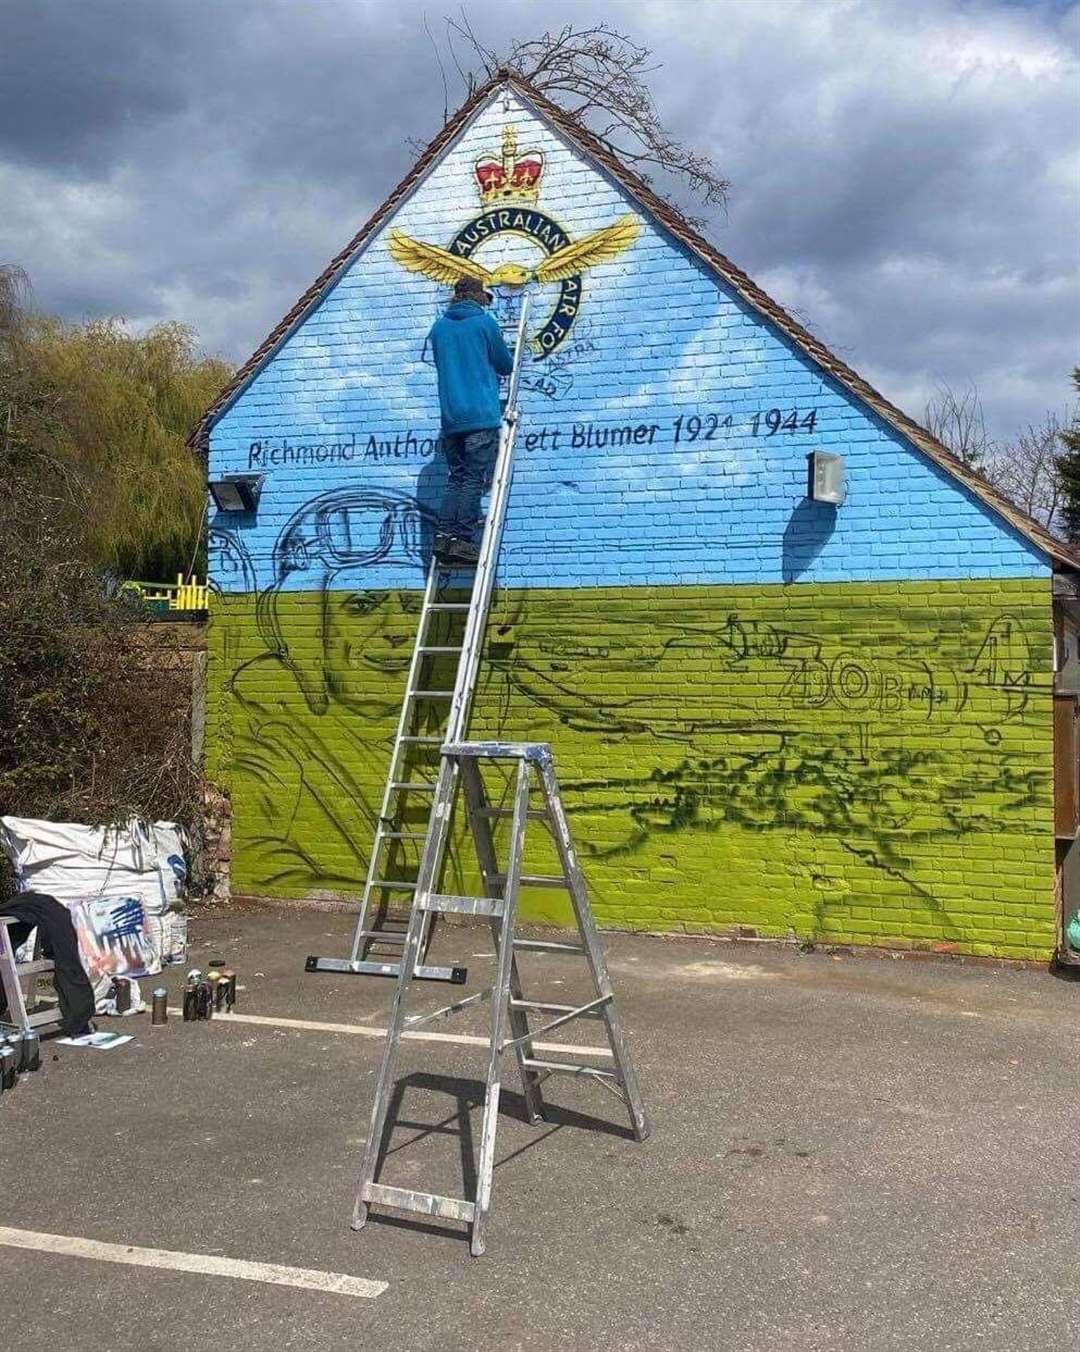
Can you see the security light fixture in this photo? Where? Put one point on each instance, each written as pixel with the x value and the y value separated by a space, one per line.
pixel 236 492
pixel 828 478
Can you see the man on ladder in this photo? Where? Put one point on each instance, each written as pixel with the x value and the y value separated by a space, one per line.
pixel 470 356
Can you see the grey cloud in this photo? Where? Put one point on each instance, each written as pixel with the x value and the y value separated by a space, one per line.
pixel 75 77
pixel 900 167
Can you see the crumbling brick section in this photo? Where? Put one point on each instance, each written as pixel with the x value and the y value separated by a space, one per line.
pixel 214 863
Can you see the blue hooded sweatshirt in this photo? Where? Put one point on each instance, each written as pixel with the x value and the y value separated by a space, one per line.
pixel 470 355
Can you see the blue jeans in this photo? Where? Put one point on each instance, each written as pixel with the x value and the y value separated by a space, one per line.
pixel 470 459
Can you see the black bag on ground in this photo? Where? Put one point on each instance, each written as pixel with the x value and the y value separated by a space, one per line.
pixel 35 910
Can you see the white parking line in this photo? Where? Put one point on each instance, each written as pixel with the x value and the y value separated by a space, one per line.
pixel 337 1283
pixel 372 1030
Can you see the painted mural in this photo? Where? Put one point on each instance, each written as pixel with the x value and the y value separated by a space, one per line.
pixel 769 714
pixel 846 760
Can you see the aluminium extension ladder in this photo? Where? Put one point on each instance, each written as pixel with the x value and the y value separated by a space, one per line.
pixel 510 1009
pixel 393 836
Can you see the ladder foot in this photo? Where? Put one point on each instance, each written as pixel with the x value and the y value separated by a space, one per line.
pixel 476 1243
pixel 359 1216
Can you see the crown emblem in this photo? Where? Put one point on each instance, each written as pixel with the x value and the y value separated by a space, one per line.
pixel 510 178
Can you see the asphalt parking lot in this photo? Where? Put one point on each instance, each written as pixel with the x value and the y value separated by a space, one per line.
pixel 846 1153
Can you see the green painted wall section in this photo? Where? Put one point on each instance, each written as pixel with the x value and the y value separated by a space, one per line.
pixel 863 763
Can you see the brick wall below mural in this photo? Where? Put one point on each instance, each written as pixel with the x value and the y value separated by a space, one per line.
pixel 868 763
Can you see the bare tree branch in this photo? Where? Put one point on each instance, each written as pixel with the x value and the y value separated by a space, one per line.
pixel 1026 470
pixel 957 421
pixel 599 76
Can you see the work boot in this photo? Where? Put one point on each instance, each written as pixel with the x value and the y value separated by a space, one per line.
pixel 444 546
pixel 463 552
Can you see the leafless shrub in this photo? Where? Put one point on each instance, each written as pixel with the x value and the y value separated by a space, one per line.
pixel 958 422
pixel 94 725
pixel 1026 470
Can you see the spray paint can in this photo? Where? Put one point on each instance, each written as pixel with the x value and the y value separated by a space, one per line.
pixel 122 994
pixel 29 1051
pixel 191 996
pixel 9 1065
pixel 204 1001
pixel 230 976
pixel 159 1011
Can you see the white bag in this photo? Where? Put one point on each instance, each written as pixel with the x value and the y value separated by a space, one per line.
pixel 119 882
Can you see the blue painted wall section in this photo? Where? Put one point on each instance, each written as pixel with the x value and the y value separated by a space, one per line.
pixel 664 440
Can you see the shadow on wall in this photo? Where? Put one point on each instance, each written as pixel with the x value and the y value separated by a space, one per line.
pixel 430 488
pixel 806 535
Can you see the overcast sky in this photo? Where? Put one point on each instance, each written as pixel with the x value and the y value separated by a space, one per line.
pixel 905 173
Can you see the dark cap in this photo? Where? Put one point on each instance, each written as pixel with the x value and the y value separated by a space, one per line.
pixel 471 288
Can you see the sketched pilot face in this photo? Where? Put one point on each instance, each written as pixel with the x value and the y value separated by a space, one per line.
pixel 335 545
pixel 367 646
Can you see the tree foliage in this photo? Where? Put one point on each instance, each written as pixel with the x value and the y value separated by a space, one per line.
pixel 94 727
pixel 94 480
pixel 99 417
pixel 1068 467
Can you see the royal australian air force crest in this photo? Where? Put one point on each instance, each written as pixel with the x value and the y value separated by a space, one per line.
pixel 511 243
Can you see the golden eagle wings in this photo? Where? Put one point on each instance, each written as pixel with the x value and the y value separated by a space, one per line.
pixel 443 266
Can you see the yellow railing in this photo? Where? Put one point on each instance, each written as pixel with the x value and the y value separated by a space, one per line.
pixel 178 595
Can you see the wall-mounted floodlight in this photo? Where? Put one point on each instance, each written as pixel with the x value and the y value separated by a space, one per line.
pixel 828 478
pixel 236 492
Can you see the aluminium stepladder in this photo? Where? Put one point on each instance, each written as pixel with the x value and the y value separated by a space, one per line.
pixel 510 1009
pixel 18 980
pixel 395 834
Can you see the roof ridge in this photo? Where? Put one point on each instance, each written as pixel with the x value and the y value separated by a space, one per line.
pixel 676 224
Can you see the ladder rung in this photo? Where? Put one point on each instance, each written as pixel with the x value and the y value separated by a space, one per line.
pixel 411 784
pixel 393 884
pixel 383 936
pixel 427 1203
pixel 404 835
pixel 534 880
pixel 438 1015
pixel 456 976
pixel 431 694
pixel 33 968
pixel 549 1007
pixel 547 946
pixel 457 565
pixel 423 741
pixel 449 605
pixel 425 648
pixel 570 1068
pixel 575 1012
pixel 439 901
pixel 534 814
